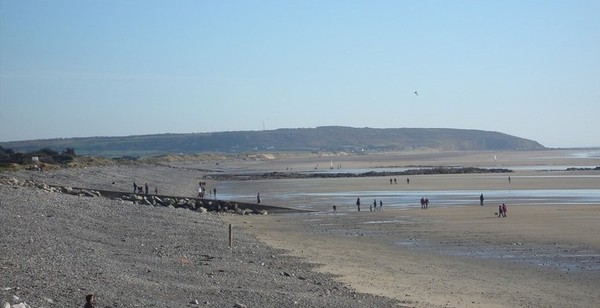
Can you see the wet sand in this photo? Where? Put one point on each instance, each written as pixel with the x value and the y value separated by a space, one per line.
pixel 541 255
pixel 456 257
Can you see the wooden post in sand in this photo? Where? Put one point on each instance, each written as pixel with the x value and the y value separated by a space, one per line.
pixel 230 236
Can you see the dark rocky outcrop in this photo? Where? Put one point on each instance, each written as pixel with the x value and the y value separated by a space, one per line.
pixel 300 175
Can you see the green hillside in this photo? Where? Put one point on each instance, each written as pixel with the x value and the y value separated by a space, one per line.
pixel 327 138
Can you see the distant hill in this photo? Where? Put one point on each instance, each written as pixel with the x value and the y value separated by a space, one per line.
pixel 326 138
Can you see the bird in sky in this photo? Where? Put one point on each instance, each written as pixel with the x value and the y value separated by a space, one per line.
pixel 416 93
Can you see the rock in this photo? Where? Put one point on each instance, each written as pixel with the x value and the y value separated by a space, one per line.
pixel 260 212
pixel 191 203
pixel 201 209
pixel 213 206
pixel 88 193
pixel 43 186
pixel 239 305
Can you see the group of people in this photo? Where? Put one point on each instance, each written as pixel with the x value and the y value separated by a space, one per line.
pixel 395 181
pixel 502 210
pixel 424 203
pixel 372 207
pixel 202 191
pixel 143 190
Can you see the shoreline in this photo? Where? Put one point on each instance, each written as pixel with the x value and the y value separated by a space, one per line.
pixel 437 257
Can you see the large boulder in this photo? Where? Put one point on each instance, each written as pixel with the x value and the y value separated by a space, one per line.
pixel 191 203
pixel 158 200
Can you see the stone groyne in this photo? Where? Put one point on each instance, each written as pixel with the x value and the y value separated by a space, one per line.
pixel 195 204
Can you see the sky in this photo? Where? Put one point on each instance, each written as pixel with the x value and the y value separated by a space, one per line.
pixel 117 68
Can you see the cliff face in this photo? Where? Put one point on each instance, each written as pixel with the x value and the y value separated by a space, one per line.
pixel 328 138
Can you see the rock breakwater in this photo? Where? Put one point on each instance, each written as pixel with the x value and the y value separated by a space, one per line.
pixel 194 204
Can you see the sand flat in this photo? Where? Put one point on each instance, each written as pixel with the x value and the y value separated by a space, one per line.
pixel 541 255
pixel 430 257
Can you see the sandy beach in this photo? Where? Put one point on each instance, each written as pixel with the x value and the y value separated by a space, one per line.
pixel 546 253
pixel 447 257
pixel 541 255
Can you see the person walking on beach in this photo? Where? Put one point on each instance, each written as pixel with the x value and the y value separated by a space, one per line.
pixel 380 205
pixel 358 203
pixel 375 204
pixel 334 208
pixel 258 198
pixel 499 210
pixel 215 192
pixel 481 199
pixel 146 187
pixel 426 203
pixel 134 187
pixel 504 210
pixel 422 203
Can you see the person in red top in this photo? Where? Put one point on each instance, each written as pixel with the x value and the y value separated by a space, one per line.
pixel 504 210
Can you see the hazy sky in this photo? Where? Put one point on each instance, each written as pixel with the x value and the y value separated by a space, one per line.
pixel 115 68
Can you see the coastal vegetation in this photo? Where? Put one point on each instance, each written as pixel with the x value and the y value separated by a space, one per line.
pixel 326 138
